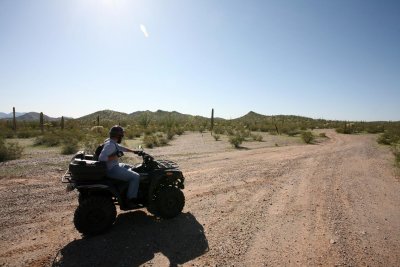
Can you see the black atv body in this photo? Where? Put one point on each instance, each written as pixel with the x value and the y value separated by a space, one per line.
pixel 160 187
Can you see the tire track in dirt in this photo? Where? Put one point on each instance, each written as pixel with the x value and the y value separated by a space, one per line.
pixel 314 222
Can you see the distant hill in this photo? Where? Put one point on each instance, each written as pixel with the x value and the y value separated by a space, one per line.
pixel 256 117
pixel 27 116
pixel 10 115
pixel 157 116
pixel 105 115
pixel 35 116
pixel 161 115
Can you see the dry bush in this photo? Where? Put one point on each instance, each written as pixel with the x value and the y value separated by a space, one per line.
pixel 236 140
pixel 307 137
pixel 10 151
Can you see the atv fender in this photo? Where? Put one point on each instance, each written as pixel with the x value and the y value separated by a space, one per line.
pixel 170 178
pixel 101 189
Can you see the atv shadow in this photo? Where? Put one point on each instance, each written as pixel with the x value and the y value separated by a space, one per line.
pixel 135 239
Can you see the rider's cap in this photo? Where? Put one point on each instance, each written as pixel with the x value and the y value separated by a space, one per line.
pixel 116 131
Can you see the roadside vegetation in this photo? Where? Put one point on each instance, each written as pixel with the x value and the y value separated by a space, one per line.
pixel 307 137
pixel 153 129
pixel 9 151
pixel 391 137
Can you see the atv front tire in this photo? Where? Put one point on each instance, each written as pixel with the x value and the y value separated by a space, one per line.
pixel 169 202
pixel 94 215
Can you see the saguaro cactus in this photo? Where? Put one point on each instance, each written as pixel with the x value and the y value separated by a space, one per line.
pixel 98 120
pixel 14 120
pixel 41 122
pixel 212 120
pixel 62 123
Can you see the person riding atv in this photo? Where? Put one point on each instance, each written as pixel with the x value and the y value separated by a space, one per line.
pixel 160 189
pixel 110 154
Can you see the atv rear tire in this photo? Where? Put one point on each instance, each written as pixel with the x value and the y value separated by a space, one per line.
pixel 169 202
pixel 82 196
pixel 94 215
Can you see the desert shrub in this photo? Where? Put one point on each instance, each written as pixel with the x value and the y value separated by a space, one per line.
pixel 230 131
pixel 216 137
pixel 69 148
pixel 375 129
pixel 396 152
pixel 257 137
pixel 132 133
pixel 245 133
pixel 388 138
pixel 218 130
pixel 293 133
pixel 56 138
pixel 10 151
pixel 179 131
pixel 47 140
pixel 90 143
pixel 162 141
pixel 151 141
pixel 236 140
pixel 170 134
pixel 323 135
pixel 347 129
pixel 98 130
pixel 307 137
pixel 26 134
pixel 6 134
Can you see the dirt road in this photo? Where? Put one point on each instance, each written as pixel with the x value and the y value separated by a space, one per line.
pixel 332 203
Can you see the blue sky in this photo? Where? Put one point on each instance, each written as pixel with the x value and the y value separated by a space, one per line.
pixel 321 59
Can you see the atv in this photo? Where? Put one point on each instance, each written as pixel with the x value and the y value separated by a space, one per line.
pixel 160 192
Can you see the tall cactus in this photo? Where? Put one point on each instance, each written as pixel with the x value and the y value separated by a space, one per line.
pixel 14 120
pixel 62 123
pixel 98 120
pixel 212 120
pixel 41 122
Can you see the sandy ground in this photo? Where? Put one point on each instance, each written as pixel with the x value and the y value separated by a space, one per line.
pixel 332 203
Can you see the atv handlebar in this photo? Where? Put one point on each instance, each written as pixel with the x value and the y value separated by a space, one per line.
pixel 146 157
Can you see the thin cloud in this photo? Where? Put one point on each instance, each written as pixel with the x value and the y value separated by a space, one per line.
pixel 144 30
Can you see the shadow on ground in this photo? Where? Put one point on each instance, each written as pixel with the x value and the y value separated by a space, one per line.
pixel 134 240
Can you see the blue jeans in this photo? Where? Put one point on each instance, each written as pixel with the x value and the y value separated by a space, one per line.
pixel 124 172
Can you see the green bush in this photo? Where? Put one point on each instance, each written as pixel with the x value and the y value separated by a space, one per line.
pixel 375 129
pixel 170 135
pixel 216 137
pixel 179 131
pixel 346 130
pixel 218 130
pixel 47 140
pixel 162 141
pixel 307 137
pixel 10 151
pixel 323 135
pixel 90 144
pixel 69 148
pixel 56 138
pixel 257 137
pixel 396 152
pixel 293 133
pixel 27 134
pixel 388 138
pixel 236 140
pixel 6 134
pixel 150 141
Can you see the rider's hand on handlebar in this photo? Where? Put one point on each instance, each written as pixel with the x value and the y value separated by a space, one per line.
pixel 138 152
